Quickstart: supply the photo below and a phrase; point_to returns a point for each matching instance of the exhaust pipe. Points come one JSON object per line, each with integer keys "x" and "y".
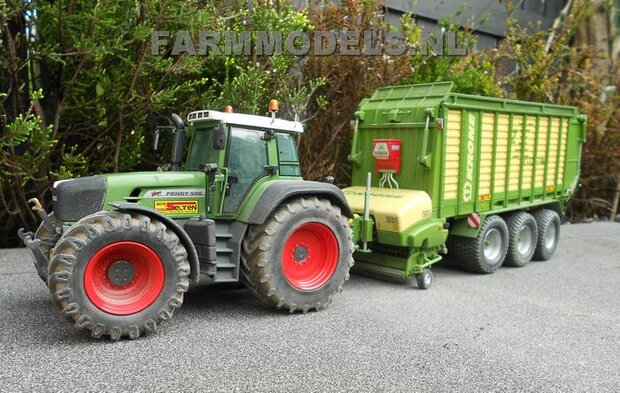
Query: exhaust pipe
{"x": 178, "y": 144}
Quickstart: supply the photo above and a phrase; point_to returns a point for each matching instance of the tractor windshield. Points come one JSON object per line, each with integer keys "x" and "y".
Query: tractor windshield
{"x": 201, "y": 150}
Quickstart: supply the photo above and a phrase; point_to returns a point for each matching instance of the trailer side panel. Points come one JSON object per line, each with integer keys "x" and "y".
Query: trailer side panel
{"x": 498, "y": 160}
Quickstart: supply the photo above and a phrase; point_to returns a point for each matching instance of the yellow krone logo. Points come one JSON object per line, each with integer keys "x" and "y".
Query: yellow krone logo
{"x": 469, "y": 174}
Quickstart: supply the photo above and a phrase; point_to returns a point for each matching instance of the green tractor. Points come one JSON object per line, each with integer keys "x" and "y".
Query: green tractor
{"x": 119, "y": 251}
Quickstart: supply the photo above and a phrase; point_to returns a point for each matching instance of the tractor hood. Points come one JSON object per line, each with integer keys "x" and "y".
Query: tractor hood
{"x": 77, "y": 198}
{"x": 124, "y": 186}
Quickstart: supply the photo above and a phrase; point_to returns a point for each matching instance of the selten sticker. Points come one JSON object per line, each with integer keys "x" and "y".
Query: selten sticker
{"x": 176, "y": 207}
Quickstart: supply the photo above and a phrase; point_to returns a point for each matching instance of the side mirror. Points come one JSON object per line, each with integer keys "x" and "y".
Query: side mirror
{"x": 209, "y": 170}
{"x": 219, "y": 137}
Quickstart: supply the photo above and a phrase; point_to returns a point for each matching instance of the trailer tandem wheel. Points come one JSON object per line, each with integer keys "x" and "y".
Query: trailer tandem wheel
{"x": 522, "y": 233}
{"x": 548, "y": 222}
{"x": 486, "y": 252}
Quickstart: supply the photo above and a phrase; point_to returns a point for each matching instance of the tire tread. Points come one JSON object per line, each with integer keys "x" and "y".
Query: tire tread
{"x": 64, "y": 260}
{"x": 468, "y": 251}
{"x": 515, "y": 222}
{"x": 544, "y": 217}
{"x": 258, "y": 242}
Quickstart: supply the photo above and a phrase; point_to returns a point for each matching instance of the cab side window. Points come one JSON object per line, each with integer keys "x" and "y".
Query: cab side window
{"x": 247, "y": 158}
{"x": 287, "y": 155}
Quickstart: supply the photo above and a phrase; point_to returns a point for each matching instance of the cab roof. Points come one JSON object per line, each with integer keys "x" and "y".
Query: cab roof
{"x": 242, "y": 119}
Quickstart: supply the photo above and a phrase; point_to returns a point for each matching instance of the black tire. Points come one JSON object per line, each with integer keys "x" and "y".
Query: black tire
{"x": 424, "y": 279}
{"x": 263, "y": 248}
{"x": 523, "y": 235}
{"x": 470, "y": 252}
{"x": 549, "y": 223}
{"x": 81, "y": 245}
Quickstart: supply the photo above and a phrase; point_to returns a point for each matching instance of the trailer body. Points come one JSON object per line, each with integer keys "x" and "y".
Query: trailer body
{"x": 461, "y": 157}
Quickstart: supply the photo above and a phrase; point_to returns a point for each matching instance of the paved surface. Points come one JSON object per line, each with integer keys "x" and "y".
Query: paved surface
{"x": 551, "y": 326}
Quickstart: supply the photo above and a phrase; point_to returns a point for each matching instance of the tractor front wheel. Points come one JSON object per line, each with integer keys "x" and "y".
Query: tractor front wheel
{"x": 118, "y": 274}
{"x": 300, "y": 257}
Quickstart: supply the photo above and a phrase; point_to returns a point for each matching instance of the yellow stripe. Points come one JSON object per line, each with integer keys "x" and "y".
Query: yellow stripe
{"x": 452, "y": 154}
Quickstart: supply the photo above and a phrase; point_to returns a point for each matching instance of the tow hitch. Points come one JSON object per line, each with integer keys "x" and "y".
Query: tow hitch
{"x": 41, "y": 242}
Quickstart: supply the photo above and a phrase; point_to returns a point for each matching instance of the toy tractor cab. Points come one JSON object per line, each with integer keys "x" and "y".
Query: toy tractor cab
{"x": 119, "y": 251}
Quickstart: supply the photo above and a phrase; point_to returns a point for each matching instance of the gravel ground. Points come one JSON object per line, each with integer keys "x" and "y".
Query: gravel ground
{"x": 551, "y": 326}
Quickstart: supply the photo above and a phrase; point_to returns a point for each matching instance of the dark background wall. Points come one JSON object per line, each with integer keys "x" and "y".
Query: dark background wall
{"x": 428, "y": 12}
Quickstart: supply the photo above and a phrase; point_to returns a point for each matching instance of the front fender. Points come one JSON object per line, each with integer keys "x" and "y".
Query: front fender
{"x": 192, "y": 255}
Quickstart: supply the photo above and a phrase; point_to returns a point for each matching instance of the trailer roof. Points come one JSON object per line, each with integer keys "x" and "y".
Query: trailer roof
{"x": 407, "y": 104}
{"x": 242, "y": 119}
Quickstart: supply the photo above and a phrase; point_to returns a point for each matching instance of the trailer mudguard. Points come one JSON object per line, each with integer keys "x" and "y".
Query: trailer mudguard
{"x": 192, "y": 255}
{"x": 279, "y": 191}
{"x": 460, "y": 227}
{"x": 428, "y": 235}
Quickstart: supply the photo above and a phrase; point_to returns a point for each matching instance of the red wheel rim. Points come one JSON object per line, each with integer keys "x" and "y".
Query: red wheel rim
{"x": 310, "y": 256}
{"x": 124, "y": 278}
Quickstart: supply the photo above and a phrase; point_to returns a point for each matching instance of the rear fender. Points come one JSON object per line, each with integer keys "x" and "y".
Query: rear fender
{"x": 279, "y": 191}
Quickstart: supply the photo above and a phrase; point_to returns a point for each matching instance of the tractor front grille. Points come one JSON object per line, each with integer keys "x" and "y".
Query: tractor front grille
{"x": 77, "y": 198}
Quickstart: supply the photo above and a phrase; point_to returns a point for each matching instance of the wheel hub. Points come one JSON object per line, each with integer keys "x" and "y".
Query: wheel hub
{"x": 124, "y": 278}
{"x": 310, "y": 256}
{"x": 121, "y": 273}
{"x": 300, "y": 254}
{"x": 492, "y": 245}
{"x": 550, "y": 237}
{"x": 525, "y": 241}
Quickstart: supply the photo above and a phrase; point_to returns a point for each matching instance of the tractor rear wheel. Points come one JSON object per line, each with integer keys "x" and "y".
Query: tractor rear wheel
{"x": 300, "y": 257}
{"x": 118, "y": 274}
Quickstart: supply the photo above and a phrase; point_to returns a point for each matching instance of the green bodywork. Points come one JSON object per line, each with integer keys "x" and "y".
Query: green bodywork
{"x": 227, "y": 192}
{"x": 238, "y": 169}
{"x": 418, "y": 116}
{"x": 234, "y": 188}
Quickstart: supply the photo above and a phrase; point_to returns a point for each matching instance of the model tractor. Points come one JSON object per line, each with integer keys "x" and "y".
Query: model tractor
{"x": 119, "y": 251}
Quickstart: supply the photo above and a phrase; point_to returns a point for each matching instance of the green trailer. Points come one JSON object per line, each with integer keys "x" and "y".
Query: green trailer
{"x": 487, "y": 177}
